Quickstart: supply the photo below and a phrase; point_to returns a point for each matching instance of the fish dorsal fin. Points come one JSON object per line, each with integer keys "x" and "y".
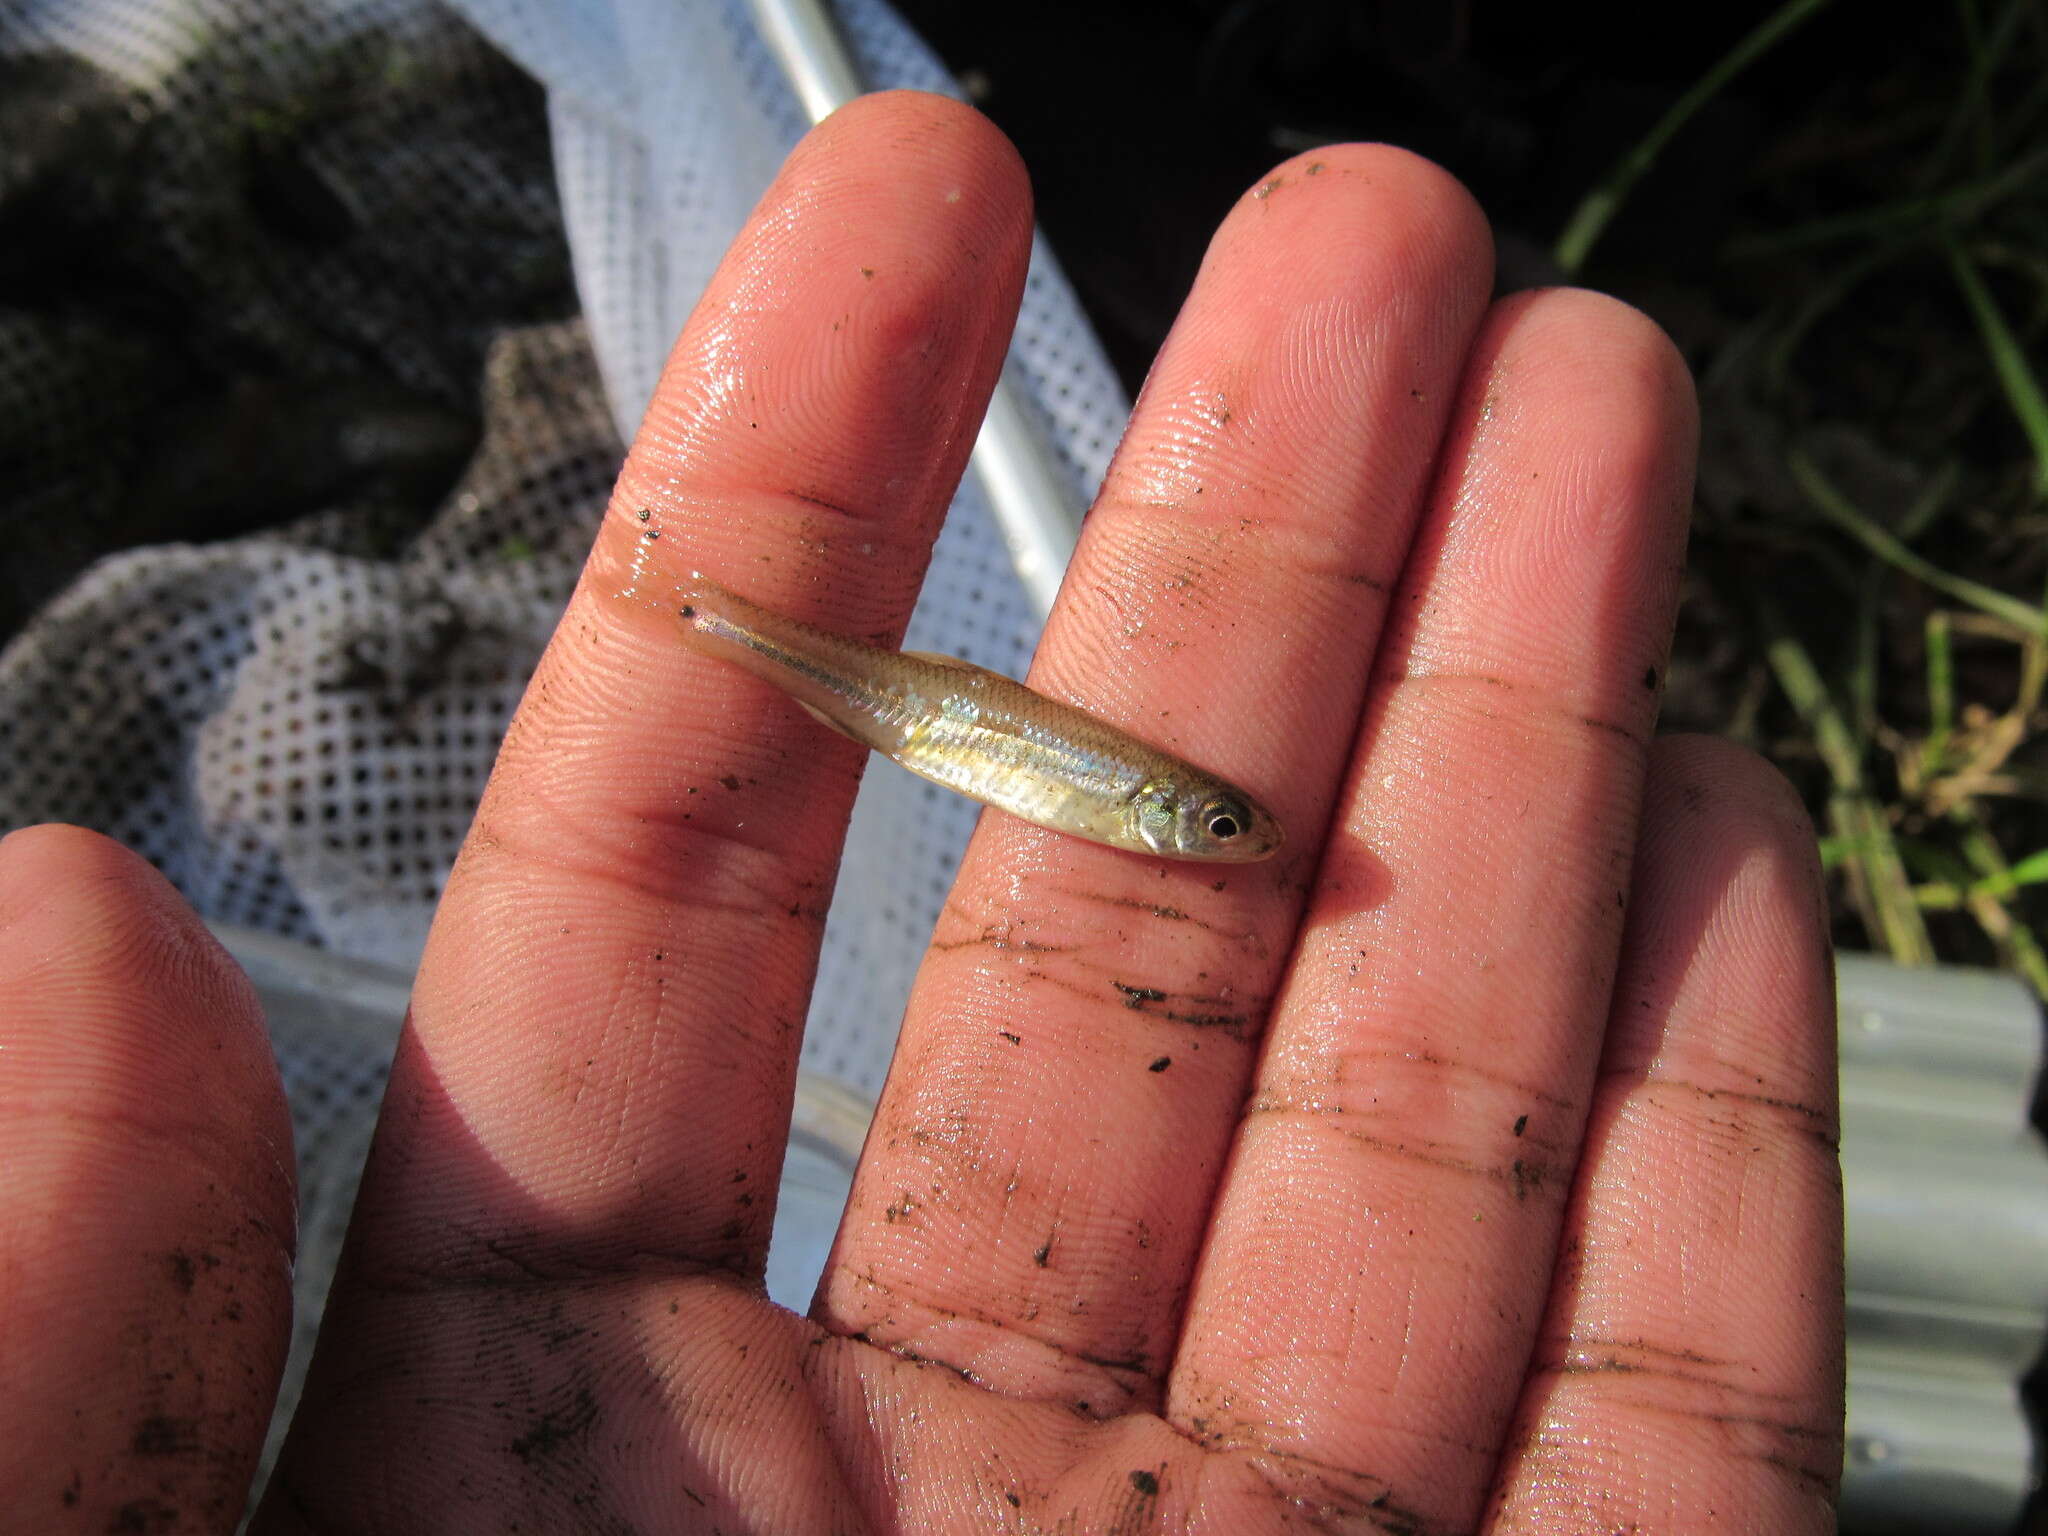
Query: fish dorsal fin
{"x": 828, "y": 722}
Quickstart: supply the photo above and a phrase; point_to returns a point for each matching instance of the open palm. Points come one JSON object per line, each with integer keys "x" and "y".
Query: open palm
{"x": 1468, "y": 1166}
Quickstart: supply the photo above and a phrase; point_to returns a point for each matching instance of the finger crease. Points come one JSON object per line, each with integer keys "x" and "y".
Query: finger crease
{"x": 1636, "y": 736}
{"x": 1816, "y": 1124}
{"x": 1524, "y": 1176}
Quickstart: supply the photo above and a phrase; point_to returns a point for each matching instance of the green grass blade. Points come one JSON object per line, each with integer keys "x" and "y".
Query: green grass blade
{"x": 1973, "y": 114}
{"x": 1876, "y": 872}
{"x": 1890, "y": 912}
{"x": 2032, "y": 870}
{"x": 1941, "y": 693}
{"x": 1904, "y": 217}
{"x": 2015, "y": 941}
{"x": 1583, "y": 230}
{"x": 2028, "y": 958}
{"x": 1930, "y": 503}
{"x": 1863, "y": 659}
{"x": 1836, "y": 507}
{"x": 1933, "y": 863}
{"x": 1802, "y": 683}
{"x": 2015, "y": 374}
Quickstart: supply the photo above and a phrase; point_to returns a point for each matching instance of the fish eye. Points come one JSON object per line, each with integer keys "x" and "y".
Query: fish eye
{"x": 1223, "y": 819}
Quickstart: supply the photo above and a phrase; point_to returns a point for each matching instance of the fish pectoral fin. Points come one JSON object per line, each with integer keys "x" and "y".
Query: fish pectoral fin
{"x": 828, "y": 722}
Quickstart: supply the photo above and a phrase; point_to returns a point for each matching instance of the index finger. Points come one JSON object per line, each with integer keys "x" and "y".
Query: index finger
{"x": 603, "y": 1040}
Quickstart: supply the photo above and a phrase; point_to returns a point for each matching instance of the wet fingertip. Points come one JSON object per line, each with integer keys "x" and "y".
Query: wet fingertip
{"x": 1705, "y": 788}
{"x": 1617, "y": 355}
{"x": 992, "y": 171}
{"x": 1728, "y": 903}
{"x": 85, "y": 918}
{"x": 86, "y": 880}
{"x": 1382, "y": 186}
{"x": 45, "y": 837}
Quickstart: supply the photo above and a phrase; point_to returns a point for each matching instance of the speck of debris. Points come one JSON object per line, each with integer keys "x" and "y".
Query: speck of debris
{"x": 1145, "y": 1483}
{"x": 1649, "y": 677}
{"x": 554, "y": 1429}
{"x": 160, "y": 1435}
{"x": 1525, "y": 1178}
{"x": 1315, "y": 168}
{"x": 1044, "y": 1253}
{"x": 1161, "y": 1064}
{"x": 1521, "y": 1124}
{"x": 867, "y": 271}
{"x": 651, "y": 533}
{"x": 643, "y": 514}
{"x": 1138, "y": 997}
{"x": 730, "y": 780}
{"x": 1013, "y": 1039}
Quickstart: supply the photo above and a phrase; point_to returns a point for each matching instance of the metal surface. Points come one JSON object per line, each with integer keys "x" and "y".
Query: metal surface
{"x": 806, "y": 43}
{"x": 1026, "y": 489}
{"x": 1024, "y": 485}
{"x": 1946, "y": 1189}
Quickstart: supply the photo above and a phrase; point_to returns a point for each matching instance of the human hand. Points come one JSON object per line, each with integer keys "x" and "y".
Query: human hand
{"x": 1469, "y": 1165}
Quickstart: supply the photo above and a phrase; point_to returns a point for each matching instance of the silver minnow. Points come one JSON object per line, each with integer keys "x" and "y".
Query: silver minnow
{"x": 986, "y": 736}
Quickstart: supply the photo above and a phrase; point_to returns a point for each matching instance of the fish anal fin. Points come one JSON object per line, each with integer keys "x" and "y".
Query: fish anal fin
{"x": 827, "y": 721}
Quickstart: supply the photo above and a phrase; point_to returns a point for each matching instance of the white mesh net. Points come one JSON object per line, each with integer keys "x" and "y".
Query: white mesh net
{"x": 295, "y": 724}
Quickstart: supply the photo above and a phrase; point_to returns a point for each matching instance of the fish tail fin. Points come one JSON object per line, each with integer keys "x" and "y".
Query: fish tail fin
{"x": 821, "y": 671}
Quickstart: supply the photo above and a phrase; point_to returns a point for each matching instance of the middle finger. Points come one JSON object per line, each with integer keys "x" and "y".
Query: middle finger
{"x": 1043, "y": 1161}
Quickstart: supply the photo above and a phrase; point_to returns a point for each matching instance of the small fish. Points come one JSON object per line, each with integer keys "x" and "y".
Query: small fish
{"x": 986, "y": 735}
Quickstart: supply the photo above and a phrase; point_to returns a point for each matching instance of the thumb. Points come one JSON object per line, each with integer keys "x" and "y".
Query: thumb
{"x": 146, "y": 1200}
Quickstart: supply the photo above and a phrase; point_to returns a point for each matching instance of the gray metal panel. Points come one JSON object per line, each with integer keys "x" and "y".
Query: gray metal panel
{"x": 1946, "y": 1189}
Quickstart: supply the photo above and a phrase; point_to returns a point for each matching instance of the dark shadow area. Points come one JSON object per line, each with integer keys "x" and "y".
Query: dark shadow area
{"x": 232, "y": 317}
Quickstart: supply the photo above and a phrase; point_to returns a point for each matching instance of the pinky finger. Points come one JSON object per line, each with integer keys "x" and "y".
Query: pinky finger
{"x": 1689, "y": 1372}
